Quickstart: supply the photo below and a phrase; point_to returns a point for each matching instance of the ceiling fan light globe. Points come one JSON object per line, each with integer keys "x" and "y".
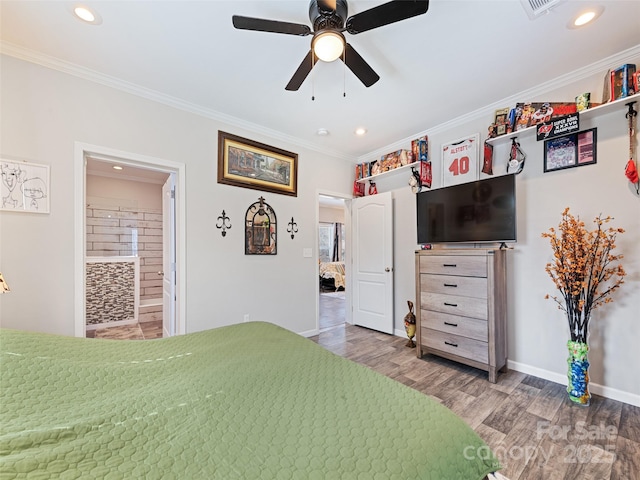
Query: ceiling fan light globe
{"x": 328, "y": 46}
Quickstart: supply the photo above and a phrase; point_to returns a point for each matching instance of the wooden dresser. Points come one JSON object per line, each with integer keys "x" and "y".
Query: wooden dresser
{"x": 461, "y": 306}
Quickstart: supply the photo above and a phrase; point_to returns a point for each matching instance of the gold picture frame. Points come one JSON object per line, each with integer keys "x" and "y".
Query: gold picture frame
{"x": 249, "y": 164}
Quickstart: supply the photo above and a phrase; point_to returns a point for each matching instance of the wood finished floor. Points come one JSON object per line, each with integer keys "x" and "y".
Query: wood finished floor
{"x": 138, "y": 331}
{"x": 535, "y": 431}
{"x": 331, "y": 310}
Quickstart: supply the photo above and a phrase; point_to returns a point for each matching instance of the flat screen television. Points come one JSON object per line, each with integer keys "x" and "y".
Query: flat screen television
{"x": 480, "y": 211}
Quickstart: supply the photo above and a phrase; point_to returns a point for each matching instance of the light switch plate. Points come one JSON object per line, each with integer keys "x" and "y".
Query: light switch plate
{"x": 307, "y": 252}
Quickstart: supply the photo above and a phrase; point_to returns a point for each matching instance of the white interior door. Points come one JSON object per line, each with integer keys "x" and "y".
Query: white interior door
{"x": 372, "y": 220}
{"x": 168, "y": 258}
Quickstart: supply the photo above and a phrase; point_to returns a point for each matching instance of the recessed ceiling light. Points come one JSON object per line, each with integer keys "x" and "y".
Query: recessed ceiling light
{"x": 87, "y": 15}
{"x": 323, "y": 132}
{"x": 585, "y": 17}
{"x": 360, "y": 131}
{"x": 117, "y": 167}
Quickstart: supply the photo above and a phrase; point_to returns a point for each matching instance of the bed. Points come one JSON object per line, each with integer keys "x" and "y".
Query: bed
{"x": 248, "y": 401}
{"x": 332, "y": 275}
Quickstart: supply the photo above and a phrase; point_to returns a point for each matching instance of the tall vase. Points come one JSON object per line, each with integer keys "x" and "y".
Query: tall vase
{"x": 578, "y": 374}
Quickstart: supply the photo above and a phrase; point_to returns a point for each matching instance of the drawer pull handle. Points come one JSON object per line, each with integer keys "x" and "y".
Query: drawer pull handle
{"x": 451, "y": 344}
{"x": 451, "y": 304}
{"x": 449, "y": 265}
{"x": 451, "y": 324}
{"x": 451, "y": 285}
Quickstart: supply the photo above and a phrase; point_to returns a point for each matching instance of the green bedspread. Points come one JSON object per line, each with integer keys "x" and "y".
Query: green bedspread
{"x": 249, "y": 401}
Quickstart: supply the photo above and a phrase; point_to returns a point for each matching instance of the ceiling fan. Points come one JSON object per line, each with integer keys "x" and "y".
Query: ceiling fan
{"x": 329, "y": 19}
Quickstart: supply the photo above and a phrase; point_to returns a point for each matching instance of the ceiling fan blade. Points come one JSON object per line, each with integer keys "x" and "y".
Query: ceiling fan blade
{"x": 359, "y": 67}
{"x": 326, "y": 7}
{"x": 273, "y": 26}
{"x": 302, "y": 72}
{"x": 385, "y": 14}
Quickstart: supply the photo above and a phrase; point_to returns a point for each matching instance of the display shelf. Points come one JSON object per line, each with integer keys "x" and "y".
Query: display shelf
{"x": 388, "y": 173}
{"x": 588, "y": 113}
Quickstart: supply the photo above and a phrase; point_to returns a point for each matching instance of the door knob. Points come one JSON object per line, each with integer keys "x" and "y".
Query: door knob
{"x": 387, "y": 269}
{"x": 161, "y": 273}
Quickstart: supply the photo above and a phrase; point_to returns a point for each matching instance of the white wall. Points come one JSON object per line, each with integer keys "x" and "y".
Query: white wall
{"x": 45, "y": 111}
{"x": 331, "y": 215}
{"x": 538, "y": 331}
{"x": 108, "y": 191}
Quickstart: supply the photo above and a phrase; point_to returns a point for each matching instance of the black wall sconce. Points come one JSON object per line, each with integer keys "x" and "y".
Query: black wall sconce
{"x": 292, "y": 228}
{"x": 223, "y": 223}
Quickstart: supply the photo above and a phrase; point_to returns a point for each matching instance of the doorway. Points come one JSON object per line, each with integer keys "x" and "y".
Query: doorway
{"x": 139, "y": 240}
{"x": 332, "y": 262}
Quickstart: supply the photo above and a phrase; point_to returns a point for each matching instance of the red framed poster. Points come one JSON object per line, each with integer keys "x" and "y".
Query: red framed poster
{"x": 460, "y": 160}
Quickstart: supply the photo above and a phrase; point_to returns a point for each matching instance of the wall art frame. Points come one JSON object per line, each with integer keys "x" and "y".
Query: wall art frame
{"x": 250, "y": 164}
{"x": 460, "y": 160}
{"x": 260, "y": 229}
{"x": 24, "y": 187}
{"x": 568, "y": 151}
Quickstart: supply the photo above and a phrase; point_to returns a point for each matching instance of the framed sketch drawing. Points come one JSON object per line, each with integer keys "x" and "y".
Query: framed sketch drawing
{"x": 245, "y": 163}
{"x": 460, "y": 160}
{"x": 24, "y": 187}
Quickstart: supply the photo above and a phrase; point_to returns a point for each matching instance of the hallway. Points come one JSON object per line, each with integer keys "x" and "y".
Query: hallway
{"x": 332, "y": 310}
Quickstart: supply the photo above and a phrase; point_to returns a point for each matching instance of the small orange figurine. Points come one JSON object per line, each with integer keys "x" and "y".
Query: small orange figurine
{"x": 410, "y": 325}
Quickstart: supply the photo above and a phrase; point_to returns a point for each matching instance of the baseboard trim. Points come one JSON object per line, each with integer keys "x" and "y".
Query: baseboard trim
{"x": 595, "y": 388}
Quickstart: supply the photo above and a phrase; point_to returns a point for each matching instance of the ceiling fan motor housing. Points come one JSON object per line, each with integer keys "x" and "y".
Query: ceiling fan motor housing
{"x": 332, "y": 19}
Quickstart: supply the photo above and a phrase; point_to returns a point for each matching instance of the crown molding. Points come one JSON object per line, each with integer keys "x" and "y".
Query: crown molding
{"x": 69, "y": 68}
{"x": 53, "y": 63}
{"x": 489, "y": 110}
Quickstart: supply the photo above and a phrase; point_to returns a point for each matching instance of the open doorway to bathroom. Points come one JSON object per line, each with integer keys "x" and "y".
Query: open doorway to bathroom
{"x": 125, "y": 247}
{"x": 332, "y": 279}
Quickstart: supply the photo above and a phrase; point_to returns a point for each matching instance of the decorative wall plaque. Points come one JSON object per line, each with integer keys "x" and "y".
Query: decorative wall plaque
{"x": 292, "y": 228}
{"x": 260, "y": 237}
{"x": 224, "y": 223}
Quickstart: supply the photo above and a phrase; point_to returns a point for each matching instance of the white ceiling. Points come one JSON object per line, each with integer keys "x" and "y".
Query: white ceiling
{"x": 459, "y": 57}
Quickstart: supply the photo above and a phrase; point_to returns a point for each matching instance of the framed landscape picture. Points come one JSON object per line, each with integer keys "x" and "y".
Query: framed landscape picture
{"x": 570, "y": 151}
{"x": 249, "y": 164}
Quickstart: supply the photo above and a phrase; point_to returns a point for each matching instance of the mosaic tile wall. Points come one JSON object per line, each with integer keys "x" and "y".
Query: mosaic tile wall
{"x": 111, "y": 292}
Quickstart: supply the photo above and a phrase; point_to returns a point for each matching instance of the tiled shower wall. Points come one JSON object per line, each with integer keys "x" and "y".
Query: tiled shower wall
{"x": 125, "y": 231}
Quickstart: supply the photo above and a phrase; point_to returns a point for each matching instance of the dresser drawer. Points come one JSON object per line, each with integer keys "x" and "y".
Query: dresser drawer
{"x": 454, "y": 304}
{"x": 462, "y": 326}
{"x": 467, "y": 265}
{"x": 451, "y": 285}
{"x": 455, "y": 344}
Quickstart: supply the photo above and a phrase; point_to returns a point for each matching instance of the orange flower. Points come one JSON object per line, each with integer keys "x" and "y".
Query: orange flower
{"x": 583, "y": 269}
